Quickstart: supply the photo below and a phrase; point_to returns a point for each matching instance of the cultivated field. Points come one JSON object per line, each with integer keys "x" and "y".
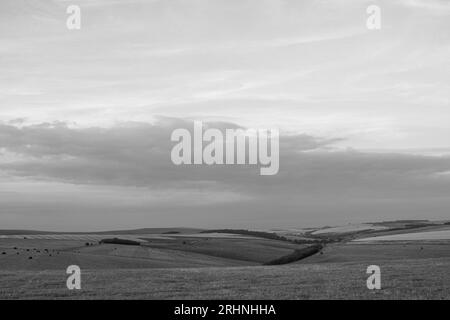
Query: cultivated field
{"x": 350, "y": 228}
{"x": 413, "y": 236}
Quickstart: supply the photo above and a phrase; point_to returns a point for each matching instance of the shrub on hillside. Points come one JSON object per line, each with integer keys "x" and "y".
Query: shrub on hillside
{"x": 121, "y": 241}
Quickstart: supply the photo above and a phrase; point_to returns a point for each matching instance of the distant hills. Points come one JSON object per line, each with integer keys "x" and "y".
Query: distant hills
{"x": 133, "y": 231}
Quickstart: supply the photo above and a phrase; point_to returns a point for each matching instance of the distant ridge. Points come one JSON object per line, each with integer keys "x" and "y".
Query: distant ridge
{"x": 19, "y": 232}
{"x": 132, "y": 231}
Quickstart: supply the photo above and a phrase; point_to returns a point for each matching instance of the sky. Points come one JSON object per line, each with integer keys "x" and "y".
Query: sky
{"x": 86, "y": 115}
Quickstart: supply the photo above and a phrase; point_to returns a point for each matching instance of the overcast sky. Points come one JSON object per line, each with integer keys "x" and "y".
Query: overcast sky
{"x": 86, "y": 115}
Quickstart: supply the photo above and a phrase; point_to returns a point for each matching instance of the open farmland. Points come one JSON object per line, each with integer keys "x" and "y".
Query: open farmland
{"x": 215, "y": 265}
{"x": 413, "y": 236}
{"x": 249, "y": 249}
{"x": 379, "y": 253}
{"x": 49, "y": 252}
{"x": 349, "y": 228}
{"x": 412, "y": 279}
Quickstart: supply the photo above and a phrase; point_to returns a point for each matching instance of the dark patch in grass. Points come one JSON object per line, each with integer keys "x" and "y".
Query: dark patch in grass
{"x": 297, "y": 255}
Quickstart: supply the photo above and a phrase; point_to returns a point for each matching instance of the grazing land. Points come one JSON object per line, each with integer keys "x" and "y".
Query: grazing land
{"x": 411, "y": 279}
{"x": 182, "y": 263}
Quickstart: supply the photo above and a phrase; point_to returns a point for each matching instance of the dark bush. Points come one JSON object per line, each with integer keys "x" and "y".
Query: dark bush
{"x": 121, "y": 241}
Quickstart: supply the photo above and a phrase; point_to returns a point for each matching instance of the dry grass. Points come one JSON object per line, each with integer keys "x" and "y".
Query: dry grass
{"x": 413, "y": 279}
{"x": 212, "y": 269}
{"x": 252, "y": 250}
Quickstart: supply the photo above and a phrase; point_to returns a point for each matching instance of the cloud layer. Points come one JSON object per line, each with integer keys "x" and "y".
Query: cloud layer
{"x": 128, "y": 167}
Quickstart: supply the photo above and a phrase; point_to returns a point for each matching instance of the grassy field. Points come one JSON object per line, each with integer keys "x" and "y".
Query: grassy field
{"x": 186, "y": 264}
{"x": 378, "y": 253}
{"x": 249, "y": 249}
{"x": 157, "y": 252}
{"x": 412, "y": 279}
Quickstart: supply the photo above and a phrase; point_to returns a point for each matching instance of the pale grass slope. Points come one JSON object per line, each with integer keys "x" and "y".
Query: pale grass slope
{"x": 413, "y": 279}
